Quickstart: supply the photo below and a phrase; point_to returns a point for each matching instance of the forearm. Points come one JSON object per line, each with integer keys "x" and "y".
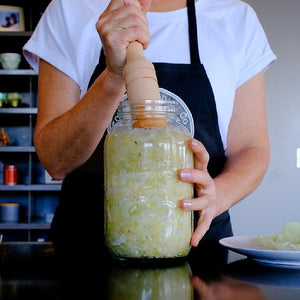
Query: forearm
{"x": 68, "y": 132}
{"x": 242, "y": 173}
{"x": 67, "y": 141}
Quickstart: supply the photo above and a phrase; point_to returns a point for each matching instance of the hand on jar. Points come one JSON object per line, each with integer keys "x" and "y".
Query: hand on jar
{"x": 206, "y": 202}
{"x": 121, "y": 23}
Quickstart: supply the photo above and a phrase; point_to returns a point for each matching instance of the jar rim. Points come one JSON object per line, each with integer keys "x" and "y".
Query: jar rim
{"x": 169, "y": 103}
{"x": 149, "y": 106}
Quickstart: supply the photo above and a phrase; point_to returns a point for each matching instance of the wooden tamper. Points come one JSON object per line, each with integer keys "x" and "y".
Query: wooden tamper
{"x": 141, "y": 84}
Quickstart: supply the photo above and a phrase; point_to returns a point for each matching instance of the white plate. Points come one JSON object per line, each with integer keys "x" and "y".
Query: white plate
{"x": 253, "y": 249}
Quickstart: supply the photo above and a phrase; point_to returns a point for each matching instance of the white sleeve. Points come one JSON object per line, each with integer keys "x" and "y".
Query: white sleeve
{"x": 255, "y": 49}
{"x": 66, "y": 37}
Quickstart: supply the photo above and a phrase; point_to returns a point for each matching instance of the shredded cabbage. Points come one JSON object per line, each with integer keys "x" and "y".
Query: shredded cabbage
{"x": 286, "y": 239}
{"x": 142, "y": 191}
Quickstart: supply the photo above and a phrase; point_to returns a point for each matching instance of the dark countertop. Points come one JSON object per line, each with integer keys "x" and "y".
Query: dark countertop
{"x": 31, "y": 271}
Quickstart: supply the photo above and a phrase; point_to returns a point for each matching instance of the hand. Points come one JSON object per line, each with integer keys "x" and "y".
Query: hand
{"x": 122, "y": 22}
{"x": 225, "y": 289}
{"x": 206, "y": 201}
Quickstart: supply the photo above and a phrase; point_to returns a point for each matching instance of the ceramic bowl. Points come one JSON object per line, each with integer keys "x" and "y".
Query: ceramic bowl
{"x": 10, "y": 61}
{"x": 9, "y": 212}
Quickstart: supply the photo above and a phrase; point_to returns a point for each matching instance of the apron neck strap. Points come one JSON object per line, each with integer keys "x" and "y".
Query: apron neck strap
{"x": 194, "y": 50}
{"x": 99, "y": 68}
{"x": 193, "y": 39}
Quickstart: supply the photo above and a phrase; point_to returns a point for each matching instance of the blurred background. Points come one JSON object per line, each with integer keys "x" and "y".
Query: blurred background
{"x": 277, "y": 199}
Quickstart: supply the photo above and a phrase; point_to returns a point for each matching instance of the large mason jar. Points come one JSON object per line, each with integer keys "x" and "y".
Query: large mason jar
{"x": 143, "y": 152}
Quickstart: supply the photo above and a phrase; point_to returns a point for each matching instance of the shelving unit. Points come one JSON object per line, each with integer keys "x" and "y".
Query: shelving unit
{"x": 17, "y": 72}
{"x": 36, "y": 197}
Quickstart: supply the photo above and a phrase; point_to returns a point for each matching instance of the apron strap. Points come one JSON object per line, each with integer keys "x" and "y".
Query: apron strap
{"x": 194, "y": 50}
{"x": 99, "y": 68}
{"x": 193, "y": 39}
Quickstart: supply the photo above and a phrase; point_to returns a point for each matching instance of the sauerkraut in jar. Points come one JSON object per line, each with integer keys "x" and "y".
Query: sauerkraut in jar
{"x": 142, "y": 190}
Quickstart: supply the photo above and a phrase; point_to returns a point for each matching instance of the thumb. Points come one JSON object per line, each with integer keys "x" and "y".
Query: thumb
{"x": 145, "y": 4}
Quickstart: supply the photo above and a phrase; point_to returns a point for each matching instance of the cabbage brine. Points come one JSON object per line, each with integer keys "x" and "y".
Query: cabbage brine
{"x": 142, "y": 191}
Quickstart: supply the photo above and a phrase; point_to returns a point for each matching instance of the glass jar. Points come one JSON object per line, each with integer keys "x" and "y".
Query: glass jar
{"x": 10, "y": 174}
{"x": 143, "y": 152}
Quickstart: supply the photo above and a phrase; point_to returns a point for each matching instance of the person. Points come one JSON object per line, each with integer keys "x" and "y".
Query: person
{"x": 7, "y": 24}
{"x": 211, "y": 53}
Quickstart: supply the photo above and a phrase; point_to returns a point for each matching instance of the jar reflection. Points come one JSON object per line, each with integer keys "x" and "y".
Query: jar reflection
{"x": 151, "y": 284}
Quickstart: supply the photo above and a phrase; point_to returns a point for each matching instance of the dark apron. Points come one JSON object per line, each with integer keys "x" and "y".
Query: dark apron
{"x": 79, "y": 215}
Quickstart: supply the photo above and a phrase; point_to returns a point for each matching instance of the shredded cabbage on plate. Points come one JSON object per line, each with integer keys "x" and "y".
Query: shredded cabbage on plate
{"x": 286, "y": 239}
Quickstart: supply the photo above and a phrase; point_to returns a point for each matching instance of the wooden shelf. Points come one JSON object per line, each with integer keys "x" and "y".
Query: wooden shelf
{"x": 18, "y": 110}
{"x": 31, "y": 187}
{"x": 25, "y": 226}
{"x": 19, "y": 72}
{"x": 16, "y": 33}
{"x": 17, "y": 149}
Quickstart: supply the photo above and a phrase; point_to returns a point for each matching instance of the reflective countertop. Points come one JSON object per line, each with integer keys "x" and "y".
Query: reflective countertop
{"x": 32, "y": 271}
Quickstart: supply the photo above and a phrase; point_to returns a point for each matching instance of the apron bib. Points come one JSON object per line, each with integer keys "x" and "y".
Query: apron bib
{"x": 80, "y": 211}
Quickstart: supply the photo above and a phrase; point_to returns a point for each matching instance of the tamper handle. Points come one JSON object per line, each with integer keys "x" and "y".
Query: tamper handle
{"x": 139, "y": 74}
{"x": 141, "y": 84}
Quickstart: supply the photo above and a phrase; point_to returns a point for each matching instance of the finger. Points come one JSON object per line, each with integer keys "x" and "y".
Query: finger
{"x": 135, "y": 34}
{"x": 115, "y": 4}
{"x": 201, "y": 154}
{"x": 202, "y": 227}
{"x": 128, "y": 21}
{"x": 197, "y": 204}
{"x": 145, "y": 4}
{"x": 123, "y": 14}
{"x": 201, "y": 287}
{"x": 202, "y": 178}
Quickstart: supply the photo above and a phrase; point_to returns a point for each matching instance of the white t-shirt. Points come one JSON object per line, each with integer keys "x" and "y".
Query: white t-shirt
{"x": 232, "y": 44}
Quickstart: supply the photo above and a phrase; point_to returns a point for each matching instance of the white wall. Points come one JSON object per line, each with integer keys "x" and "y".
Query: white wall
{"x": 277, "y": 199}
